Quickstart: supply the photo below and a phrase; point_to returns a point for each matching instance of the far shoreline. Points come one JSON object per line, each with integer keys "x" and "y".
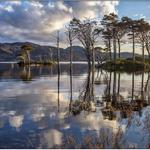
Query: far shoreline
{"x": 61, "y": 62}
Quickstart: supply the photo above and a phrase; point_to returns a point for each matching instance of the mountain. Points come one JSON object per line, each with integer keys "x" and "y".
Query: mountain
{"x": 128, "y": 55}
{"x": 9, "y": 52}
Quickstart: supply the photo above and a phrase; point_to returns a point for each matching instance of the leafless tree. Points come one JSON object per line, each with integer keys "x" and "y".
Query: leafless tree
{"x": 86, "y": 33}
{"x": 70, "y": 38}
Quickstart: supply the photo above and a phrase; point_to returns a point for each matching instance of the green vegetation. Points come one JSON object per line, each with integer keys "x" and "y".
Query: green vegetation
{"x": 113, "y": 32}
{"x": 126, "y": 65}
{"x": 25, "y": 59}
{"x": 24, "y": 56}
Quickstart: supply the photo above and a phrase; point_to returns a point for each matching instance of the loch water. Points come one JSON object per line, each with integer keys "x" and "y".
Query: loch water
{"x": 40, "y": 108}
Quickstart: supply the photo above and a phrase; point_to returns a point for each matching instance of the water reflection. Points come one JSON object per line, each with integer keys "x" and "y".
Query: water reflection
{"x": 42, "y": 108}
{"x": 16, "y": 121}
{"x": 134, "y": 100}
{"x": 50, "y": 138}
{"x": 25, "y": 74}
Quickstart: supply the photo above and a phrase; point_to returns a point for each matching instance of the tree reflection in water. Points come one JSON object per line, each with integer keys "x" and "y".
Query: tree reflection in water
{"x": 111, "y": 111}
{"x": 112, "y": 97}
{"x": 114, "y": 104}
{"x": 85, "y": 100}
{"x": 25, "y": 74}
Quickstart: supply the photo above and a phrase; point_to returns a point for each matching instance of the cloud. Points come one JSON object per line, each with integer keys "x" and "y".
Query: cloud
{"x": 51, "y": 138}
{"x": 35, "y": 20}
{"x": 139, "y": 16}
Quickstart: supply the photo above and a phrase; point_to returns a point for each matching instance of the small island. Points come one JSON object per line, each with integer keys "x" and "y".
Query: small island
{"x": 126, "y": 65}
{"x": 23, "y": 59}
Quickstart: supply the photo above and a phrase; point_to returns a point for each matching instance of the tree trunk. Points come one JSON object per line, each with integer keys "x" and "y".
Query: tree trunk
{"x": 93, "y": 72}
{"x": 28, "y": 56}
{"x": 114, "y": 44}
{"x": 143, "y": 56}
{"x": 58, "y": 53}
{"x": 147, "y": 82}
{"x": 147, "y": 48}
{"x": 71, "y": 55}
{"x": 132, "y": 86}
{"x": 87, "y": 93}
{"x": 88, "y": 55}
{"x": 58, "y": 56}
{"x": 133, "y": 38}
{"x": 114, "y": 89}
{"x": 109, "y": 89}
{"x": 109, "y": 47}
{"x": 58, "y": 94}
{"x": 118, "y": 92}
{"x": 70, "y": 105}
{"x": 93, "y": 59}
{"x": 142, "y": 87}
{"x": 119, "y": 47}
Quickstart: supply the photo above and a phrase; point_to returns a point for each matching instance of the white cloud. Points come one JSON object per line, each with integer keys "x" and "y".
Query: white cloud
{"x": 35, "y": 20}
{"x": 51, "y": 138}
{"x": 139, "y": 16}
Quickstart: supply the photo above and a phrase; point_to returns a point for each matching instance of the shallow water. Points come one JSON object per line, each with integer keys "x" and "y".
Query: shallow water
{"x": 36, "y": 109}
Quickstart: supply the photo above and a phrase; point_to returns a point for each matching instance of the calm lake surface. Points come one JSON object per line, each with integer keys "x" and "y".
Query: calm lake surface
{"x": 37, "y": 109}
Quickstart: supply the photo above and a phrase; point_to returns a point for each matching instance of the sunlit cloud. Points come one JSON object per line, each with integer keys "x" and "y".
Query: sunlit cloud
{"x": 51, "y": 138}
{"x": 35, "y": 21}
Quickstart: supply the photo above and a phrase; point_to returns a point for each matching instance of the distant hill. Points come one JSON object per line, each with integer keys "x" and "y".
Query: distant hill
{"x": 9, "y": 52}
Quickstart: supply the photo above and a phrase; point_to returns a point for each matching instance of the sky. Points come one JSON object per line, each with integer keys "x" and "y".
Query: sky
{"x": 37, "y": 21}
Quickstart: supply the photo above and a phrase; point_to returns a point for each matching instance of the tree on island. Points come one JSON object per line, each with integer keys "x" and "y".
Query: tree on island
{"x": 120, "y": 32}
{"x": 26, "y": 49}
{"x": 143, "y": 28}
{"x": 22, "y": 57}
{"x": 131, "y": 30}
{"x": 109, "y": 32}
